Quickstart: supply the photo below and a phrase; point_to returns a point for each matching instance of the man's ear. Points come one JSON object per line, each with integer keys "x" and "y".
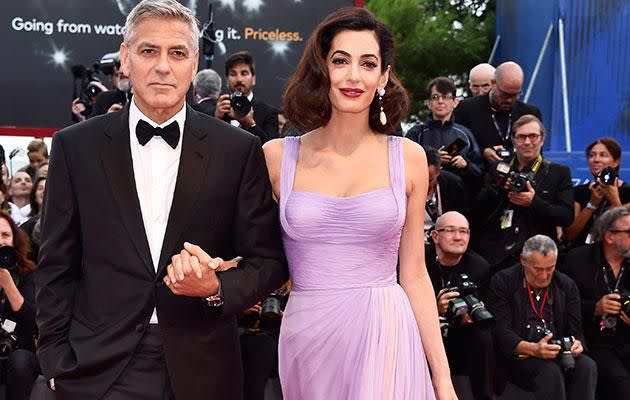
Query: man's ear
{"x": 124, "y": 58}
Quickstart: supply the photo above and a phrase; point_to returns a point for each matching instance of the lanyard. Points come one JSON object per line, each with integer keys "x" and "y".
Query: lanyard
{"x": 535, "y": 166}
{"x": 498, "y": 128}
{"x": 605, "y": 273}
{"x": 539, "y": 313}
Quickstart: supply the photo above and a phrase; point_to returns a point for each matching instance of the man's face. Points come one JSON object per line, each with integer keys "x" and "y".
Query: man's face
{"x": 619, "y": 236}
{"x": 528, "y": 142}
{"x": 539, "y": 268}
{"x": 241, "y": 79}
{"x": 479, "y": 84}
{"x": 504, "y": 93}
{"x": 161, "y": 62}
{"x": 452, "y": 235}
{"x": 441, "y": 105}
{"x": 21, "y": 184}
{"x": 434, "y": 174}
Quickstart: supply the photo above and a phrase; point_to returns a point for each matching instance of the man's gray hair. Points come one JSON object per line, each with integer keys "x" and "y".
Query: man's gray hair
{"x": 170, "y": 9}
{"x": 606, "y": 221}
{"x": 539, "y": 244}
{"x": 207, "y": 83}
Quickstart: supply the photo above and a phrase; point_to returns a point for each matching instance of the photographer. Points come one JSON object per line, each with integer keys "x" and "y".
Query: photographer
{"x": 602, "y": 273}
{"x": 538, "y": 330}
{"x": 526, "y": 195}
{"x": 604, "y": 191}
{"x": 17, "y": 305}
{"x": 468, "y": 341}
{"x": 240, "y": 107}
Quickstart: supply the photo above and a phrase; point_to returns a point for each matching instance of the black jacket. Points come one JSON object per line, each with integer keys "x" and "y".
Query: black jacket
{"x": 552, "y": 206}
{"x": 584, "y": 264}
{"x": 206, "y": 106}
{"x": 475, "y": 113}
{"x": 266, "y": 118}
{"x": 508, "y": 302}
{"x": 26, "y": 329}
{"x": 472, "y": 264}
{"x": 96, "y": 283}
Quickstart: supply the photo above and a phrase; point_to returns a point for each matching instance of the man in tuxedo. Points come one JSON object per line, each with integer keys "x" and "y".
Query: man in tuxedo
{"x": 262, "y": 119}
{"x": 124, "y": 198}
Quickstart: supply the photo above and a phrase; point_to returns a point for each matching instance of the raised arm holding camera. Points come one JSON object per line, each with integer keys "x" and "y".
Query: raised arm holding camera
{"x": 240, "y": 107}
{"x": 538, "y": 332}
{"x": 460, "y": 277}
{"x": 17, "y": 311}
{"x": 602, "y": 274}
{"x": 526, "y": 195}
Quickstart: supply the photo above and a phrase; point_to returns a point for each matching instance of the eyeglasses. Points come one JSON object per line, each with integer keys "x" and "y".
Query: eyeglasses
{"x": 533, "y": 137}
{"x": 451, "y": 230}
{"x": 437, "y": 97}
{"x": 505, "y": 95}
{"x": 626, "y": 231}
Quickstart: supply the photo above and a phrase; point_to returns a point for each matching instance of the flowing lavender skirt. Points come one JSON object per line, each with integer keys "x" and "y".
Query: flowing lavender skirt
{"x": 347, "y": 344}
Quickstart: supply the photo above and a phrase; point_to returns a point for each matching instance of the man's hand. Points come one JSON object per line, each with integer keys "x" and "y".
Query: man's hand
{"x": 445, "y": 158}
{"x": 577, "y": 348}
{"x": 610, "y": 192}
{"x": 523, "y": 199}
{"x": 78, "y": 108}
{"x": 459, "y": 162}
{"x": 246, "y": 121}
{"x": 624, "y": 318}
{"x": 114, "y": 107}
{"x": 442, "y": 300}
{"x": 224, "y": 106}
{"x": 608, "y": 305}
{"x": 255, "y": 309}
{"x": 490, "y": 153}
{"x": 545, "y": 350}
{"x": 192, "y": 272}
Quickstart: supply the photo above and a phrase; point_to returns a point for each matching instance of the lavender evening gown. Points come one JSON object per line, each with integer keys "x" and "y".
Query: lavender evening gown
{"x": 348, "y": 332}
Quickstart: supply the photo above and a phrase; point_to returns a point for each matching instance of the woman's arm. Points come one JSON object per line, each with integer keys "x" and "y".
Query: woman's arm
{"x": 582, "y": 216}
{"x": 273, "y": 157}
{"x": 414, "y": 277}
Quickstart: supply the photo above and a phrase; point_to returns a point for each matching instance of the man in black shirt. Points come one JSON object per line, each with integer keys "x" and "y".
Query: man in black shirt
{"x": 468, "y": 344}
{"x": 601, "y": 272}
{"x": 490, "y": 116}
{"x": 533, "y": 304}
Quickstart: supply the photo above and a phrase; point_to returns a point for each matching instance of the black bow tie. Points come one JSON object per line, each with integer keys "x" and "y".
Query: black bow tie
{"x": 170, "y": 133}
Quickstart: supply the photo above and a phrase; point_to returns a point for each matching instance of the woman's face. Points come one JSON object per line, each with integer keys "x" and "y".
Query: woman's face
{"x": 354, "y": 68}
{"x": 5, "y": 175}
{"x": 6, "y": 234}
{"x": 599, "y": 158}
{"x": 39, "y": 193}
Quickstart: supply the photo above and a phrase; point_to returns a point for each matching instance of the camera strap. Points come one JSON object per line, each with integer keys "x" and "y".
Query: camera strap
{"x": 619, "y": 277}
{"x": 506, "y": 137}
{"x": 535, "y": 166}
{"x": 539, "y": 313}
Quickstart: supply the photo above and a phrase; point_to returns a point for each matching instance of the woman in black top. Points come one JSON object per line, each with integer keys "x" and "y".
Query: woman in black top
{"x": 17, "y": 305}
{"x": 595, "y": 197}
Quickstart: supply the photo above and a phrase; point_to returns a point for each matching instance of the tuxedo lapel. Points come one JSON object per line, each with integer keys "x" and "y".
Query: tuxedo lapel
{"x": 118, "y": 167}
{"x": 193, "y": 165}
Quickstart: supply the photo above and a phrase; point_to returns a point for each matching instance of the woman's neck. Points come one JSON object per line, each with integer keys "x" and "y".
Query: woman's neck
{"x": 345, "y": 131}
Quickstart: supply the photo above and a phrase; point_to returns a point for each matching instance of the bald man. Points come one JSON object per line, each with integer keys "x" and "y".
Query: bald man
{"x": 480, "y": 79}
{"x": 468, "y": 343}
{"x": 490, "y": 116}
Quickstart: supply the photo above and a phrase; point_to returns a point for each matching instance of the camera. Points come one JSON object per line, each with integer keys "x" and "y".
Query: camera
{"x": 8, "y": 257}
{"x": 270, "y": 315}
{"x": 240, "y": 103}
{"x": 607, "y": 176}
{"x": 515, "y": 181}
{"x": 8, "y": 339}
{"x": 467, "y": 303}
{"x": 625, "y": 301}
{"x": 536, "y": 332}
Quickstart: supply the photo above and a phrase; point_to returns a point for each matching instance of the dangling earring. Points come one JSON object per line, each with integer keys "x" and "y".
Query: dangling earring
{"x": 382, "y": 116}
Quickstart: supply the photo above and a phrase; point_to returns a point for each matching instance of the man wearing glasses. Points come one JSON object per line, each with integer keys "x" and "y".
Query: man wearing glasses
{"x": 459, "y": 152}
{"x": 525, "y": 196}
{"x": 468, "y": 344}
{"x": 491, "y": 115}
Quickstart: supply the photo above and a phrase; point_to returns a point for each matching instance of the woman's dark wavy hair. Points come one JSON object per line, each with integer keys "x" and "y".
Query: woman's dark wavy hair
{"x": 34, "y": 206}
{"x": 306, "y": 101}
{"x": 613, "y": 147}
{"x": 22, "y": 244}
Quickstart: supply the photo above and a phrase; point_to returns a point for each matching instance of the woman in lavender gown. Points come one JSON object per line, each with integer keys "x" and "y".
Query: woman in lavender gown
{"x": 351, "y": 201}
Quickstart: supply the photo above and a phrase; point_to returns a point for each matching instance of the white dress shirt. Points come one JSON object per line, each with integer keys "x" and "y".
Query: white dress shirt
{"x": 155, "y": 167}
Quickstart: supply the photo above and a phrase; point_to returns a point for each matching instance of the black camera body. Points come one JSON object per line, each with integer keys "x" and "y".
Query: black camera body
{"x": 505, "y": 153}
{"x": 536, "y": 332}
{"x": 625, "y": 301}
{"x": 607, "y": 176}
{"x": 8, "y": 343}
{"x": 8, "y": 257}
{"x": 467, "y": 302}
{"x": 514, "y": 181}
{"x": 240, "y": 103}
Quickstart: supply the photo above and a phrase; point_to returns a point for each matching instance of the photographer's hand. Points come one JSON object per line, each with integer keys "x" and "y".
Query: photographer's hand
{"x": 545, "y": 350}
{"x": 611, "y": 193}
{"x": 596, "y": 193}
{"x": 78, "y": 108}
{"x": 114, "y": 107}
{"x": 577, "y": 348}
{"x": 608, "y": 305}
{"x": 490, "y": 153}
{"x": 459, "y": 162}
{"x": 246, "y": 121}
{"x": 445, "y": 158}
{"x": 442, "y": 300}
{"x": 223, "y": 106}
{"x": 523, "y": 199}
{"x": 15, "y": 298}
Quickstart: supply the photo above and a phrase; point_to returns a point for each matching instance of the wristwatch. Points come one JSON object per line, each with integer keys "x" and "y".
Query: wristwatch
{"x": 591, "y": 206}
{"x": 215, "y": 301}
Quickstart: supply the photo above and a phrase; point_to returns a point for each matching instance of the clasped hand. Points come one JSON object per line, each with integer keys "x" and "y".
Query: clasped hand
{"x": 192, "y": 272}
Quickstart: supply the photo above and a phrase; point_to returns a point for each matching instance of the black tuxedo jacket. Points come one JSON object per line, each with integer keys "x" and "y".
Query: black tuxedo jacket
{"x": 206, "y": 106}
{"x": 96, "y": 285}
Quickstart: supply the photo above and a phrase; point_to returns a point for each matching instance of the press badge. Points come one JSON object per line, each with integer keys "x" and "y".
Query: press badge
{"x": 506, "y": 219}
{"x": 8, "y": 325}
